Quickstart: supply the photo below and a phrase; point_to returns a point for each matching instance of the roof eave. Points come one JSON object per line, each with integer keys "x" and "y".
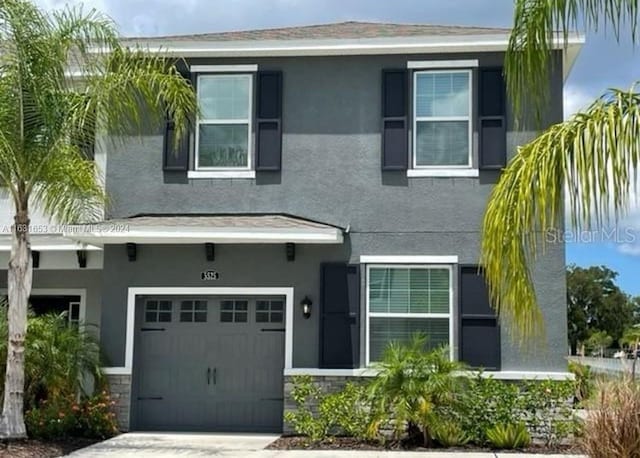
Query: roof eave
{"x": 369, "y": 46}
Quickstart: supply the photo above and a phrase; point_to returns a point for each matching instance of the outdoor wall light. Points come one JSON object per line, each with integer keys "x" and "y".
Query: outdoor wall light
{"x": 306, "y": 307}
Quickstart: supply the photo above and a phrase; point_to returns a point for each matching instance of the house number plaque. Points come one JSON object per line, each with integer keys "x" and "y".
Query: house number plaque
{"x": 209, "y": 275}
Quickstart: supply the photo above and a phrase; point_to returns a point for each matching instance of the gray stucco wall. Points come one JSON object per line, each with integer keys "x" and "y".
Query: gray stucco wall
{"x": 330, "y": 173}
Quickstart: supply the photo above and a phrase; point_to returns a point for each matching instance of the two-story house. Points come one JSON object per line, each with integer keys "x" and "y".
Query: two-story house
{"x": 328, "y": 201}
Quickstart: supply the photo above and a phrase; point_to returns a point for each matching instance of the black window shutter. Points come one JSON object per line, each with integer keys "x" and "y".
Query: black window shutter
{"x": 175, "y": 159}
{"x": 492, "y": 119}
{"x": 269, "y": 121}
{"x": 479, "y": 327}
{"x": 339, "y": 316}
{"x": 395, "y": 155}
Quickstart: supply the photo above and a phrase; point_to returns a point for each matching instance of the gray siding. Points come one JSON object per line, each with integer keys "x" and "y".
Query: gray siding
{"x": 330, "y": 173}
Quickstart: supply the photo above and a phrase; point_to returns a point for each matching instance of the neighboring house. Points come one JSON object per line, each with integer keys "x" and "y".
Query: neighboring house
{"x": 328, "y": 201}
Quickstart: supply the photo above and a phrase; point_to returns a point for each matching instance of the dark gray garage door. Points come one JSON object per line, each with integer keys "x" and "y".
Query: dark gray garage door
{"x": 208, "y": 364}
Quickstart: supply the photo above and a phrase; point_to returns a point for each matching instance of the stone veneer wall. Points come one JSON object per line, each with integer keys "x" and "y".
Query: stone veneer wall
{"x": 327, "y": 383}
{"x": 120, "y": 387}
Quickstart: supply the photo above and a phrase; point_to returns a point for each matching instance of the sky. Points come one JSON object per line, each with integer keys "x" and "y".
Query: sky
{"x": 603, "y": 63}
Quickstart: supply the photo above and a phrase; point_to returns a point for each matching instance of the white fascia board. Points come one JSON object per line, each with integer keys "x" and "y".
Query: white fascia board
{"x": 391, "y": 45}
{"x": 182, "y": 235}
{"x": 428, "y": 64}
{"x": 408, "y": 259}
{"x": 224, "y": 68}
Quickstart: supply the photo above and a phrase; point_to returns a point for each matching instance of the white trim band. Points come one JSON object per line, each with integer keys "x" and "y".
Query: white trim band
{"x": 425, "y": 64}
{"x": 224, "y": 68}
{"x": 443, "y": 173}
{"x": 408, "y": 259}
{"x": 372, "y": 372}
{"x": 209, "y": 174}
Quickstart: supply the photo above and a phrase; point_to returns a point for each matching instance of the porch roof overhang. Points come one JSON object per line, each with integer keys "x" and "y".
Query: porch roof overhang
{"x": 192, "y": 229}
{"x": 48, "y": 242}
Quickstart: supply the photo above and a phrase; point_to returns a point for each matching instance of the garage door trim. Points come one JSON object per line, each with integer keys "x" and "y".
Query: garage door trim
{"x": 134, "y": 292}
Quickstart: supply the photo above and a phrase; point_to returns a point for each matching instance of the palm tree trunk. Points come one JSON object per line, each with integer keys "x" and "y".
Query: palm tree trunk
{"x": 19, "y": 288}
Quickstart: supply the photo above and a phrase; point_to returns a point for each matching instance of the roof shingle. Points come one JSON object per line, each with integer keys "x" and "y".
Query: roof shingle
{"x": 339, "y": 30}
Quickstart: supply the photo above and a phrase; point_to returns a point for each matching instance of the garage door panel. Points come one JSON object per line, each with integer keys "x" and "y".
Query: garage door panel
{"x": 223, "y": 372}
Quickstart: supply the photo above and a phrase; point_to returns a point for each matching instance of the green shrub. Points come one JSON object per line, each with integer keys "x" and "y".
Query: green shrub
{"x": 584, "y": 381}
{"x": 414, "y": 388}
{"x": 302, "y": 420}
{"x": 509, "y": 436}
{"x": 543, "y": 406}
{"x": 57, "y": 358}
{"x": 487, "y": 402}
{"x": 448, "y": 433}
{"x": 345, "y": 412}
{"x": 65, "y": 417}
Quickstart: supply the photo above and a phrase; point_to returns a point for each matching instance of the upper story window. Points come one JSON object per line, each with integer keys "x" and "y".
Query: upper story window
{"x": 223, "y": 134}
{"x": 442, "y": 119}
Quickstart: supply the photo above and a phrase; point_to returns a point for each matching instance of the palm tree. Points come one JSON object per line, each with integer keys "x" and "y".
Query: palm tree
{"x": 592, "y": 155}
{"x": 62, "y": 75}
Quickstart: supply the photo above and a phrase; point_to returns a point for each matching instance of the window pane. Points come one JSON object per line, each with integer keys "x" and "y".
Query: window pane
{"x": 186, "y": 305}
{"x": 241, "y": 305}
{"x": 276, "y": 317}
{"x": 226, "y": 317}
{"x": 442, "y": 143}
{"x": 164, "y": 317}
{"x": 200, "y": 317}
{"x": 150, "y": 317}
{"x": 226, "y": 305}
{"x": 201, "y": 305}
{"x": 152, "y": 305}
{"x": 442, "y": 94}
{"x": 165, "y": 305}
{"x": 240, "y": 317}
{"x": 262, "y": 305}
{"x": 262, "y": 317}
{"x": 386, "y": 330}
{"x": 186, "y": 317}
{"x": 224, "y": 96}
{"x": 223, "y": 145}
{"x": 277, "y": 305}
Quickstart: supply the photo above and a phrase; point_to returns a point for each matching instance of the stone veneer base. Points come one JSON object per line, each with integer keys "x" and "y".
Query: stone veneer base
{"x": 120, "y": 387}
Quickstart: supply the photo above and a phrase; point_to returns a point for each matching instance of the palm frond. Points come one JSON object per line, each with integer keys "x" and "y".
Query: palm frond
{"x": 540, "y": 26}
{"x": 69, "y": 188}
{"x": 595, "y": 155}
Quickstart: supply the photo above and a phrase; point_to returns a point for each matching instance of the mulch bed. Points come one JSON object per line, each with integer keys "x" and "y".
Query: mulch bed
{"x": 29, "y": 448}
{"x": 349, "y": 443}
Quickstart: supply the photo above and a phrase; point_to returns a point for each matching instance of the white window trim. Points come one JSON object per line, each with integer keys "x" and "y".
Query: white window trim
{"x": 209, "y": 174}
{"x": 80, "y": 292}
{"x": 416, "y": 119}
{"x": 369, "y": 314}
{"x": 424, "y": 64}
{"x": 224, "y": 68}
{"x": 248, "y": 122}
{"x": 436, "y": 173}
{"x": 134, "y": 292}
{"x": 368, "y": 259}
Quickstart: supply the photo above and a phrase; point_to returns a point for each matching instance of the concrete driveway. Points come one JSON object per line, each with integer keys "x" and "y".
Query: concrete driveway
{"x": 143, "y": 445}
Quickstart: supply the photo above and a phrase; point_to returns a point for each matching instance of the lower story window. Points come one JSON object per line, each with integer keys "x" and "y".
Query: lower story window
{"x": 407, "y": 300}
